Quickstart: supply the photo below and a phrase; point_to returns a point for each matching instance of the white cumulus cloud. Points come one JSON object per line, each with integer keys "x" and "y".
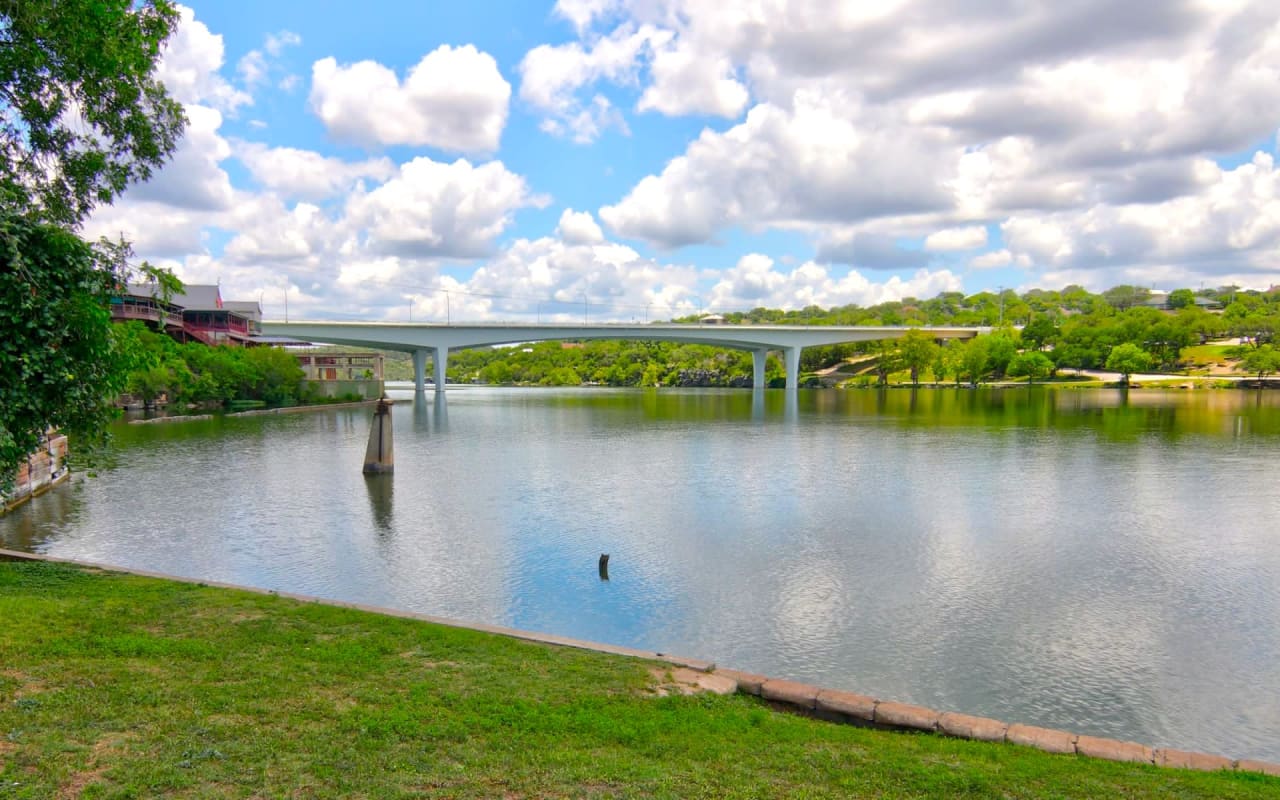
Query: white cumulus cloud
{"x": 444, "y": 210}
{"x": 967, "y": 238}
{"x": 306, "y": 173}
{"x": 189, "y": 66}
{"x": 454, "y": 99}
{"x": 579, "y": 227}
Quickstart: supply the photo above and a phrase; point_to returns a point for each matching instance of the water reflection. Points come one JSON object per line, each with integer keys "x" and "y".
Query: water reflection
{"x": 441, "y": 407}
{"x": 1060, "y": 557}
{"x": 421, "y": 418}
{"x": 381, "y": 489}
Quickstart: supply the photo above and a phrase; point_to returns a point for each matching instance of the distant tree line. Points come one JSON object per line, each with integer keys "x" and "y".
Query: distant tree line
{"x": 1034, "y": 334}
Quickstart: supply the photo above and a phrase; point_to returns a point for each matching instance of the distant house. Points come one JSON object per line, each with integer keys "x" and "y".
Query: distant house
{"x": 139, "y": 303}
{"x": 198, "y": 313}
{"x": 1160, "y": 300}
{"x": 335, "y": 374}
{"x": 250, "y": 310}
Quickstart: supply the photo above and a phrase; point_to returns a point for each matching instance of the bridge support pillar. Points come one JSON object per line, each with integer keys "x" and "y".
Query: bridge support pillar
{"x": 440, "y": 360}
{"x": 419, "y": 370}
{"x": 758, "y": 358}
{"x": 791, "y": 358}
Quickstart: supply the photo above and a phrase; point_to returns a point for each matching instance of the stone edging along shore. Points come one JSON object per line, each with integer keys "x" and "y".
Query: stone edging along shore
{"x": 829, "y": 704}
{"x": 254, "y": 412}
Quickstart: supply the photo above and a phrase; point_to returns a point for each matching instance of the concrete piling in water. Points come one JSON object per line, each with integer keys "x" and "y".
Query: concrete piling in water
{"x": 379, "y": 457}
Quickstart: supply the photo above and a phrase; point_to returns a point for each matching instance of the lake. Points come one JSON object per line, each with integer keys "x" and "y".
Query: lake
{"x": 1080, "y": 559}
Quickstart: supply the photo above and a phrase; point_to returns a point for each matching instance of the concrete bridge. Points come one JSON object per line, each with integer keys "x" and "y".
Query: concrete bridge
{"x": 423, "y": 338}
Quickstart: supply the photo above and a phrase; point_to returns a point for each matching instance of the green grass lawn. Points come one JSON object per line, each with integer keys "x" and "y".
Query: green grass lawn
{"x": 116, "y": 686}
{"x": 1201, "y": 358}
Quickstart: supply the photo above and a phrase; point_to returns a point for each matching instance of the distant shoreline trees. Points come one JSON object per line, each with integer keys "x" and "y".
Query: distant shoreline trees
{"x": 1044, "y": 331}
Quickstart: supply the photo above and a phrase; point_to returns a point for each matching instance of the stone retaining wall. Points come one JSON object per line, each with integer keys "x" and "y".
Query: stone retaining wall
{"x": 828, "y": 704}
{"x": 256, "y": 412}
{"x": 42, "y": 470}
{"x": 857, "y": 709}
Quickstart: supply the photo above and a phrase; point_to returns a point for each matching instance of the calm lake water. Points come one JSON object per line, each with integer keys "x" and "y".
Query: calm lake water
{"x": 1068, "y": 558}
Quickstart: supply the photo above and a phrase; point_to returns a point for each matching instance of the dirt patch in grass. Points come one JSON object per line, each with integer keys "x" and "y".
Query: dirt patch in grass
{"x": 78, "y": 782}
{"x": 27, "y": 685}
{"x": 107, "y": 747}
{"x": 682, "y": 680}
{"x": 414, "y": 655}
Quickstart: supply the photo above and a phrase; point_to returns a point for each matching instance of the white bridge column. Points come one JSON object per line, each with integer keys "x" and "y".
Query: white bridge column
{"x": 791, "y": 357}
{"x": 758, "y": 358}
{"x": 419, "y": 370}
{"x": 440, "y": 357}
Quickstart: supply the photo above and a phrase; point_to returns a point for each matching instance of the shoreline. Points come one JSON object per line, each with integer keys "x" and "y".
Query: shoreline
{"x": 251, "y": 412}
{"x": 831, "y": 705}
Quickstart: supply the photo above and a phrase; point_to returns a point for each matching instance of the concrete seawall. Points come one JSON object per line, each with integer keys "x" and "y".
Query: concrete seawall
{"x": 42, "y": 470}
{"x": 256, "y": 412}
{"x": 828, "y": 704}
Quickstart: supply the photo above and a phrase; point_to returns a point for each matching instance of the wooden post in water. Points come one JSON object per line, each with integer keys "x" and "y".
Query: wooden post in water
{"x": 379, "y": 457}
{"x": 604, "y": 566}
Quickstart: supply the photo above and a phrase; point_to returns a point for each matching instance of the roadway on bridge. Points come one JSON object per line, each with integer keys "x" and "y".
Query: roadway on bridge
{"x": 436, "y": 340}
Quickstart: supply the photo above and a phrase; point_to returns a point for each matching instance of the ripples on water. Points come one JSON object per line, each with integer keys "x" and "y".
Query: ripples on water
{"x": 1074, "y": 559}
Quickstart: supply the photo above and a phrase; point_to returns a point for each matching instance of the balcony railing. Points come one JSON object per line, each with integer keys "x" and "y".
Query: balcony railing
{"x": 146, "y": 313}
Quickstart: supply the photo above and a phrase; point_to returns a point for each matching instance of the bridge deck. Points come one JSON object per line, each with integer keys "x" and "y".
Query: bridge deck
{"x": 418, "y": 338}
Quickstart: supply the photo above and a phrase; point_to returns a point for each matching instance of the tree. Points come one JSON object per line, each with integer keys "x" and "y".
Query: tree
{"x": 1127, "y": 359}
{"x": 1262, "y": 361}
{"x": 1125, "y": 296}
{"x": 887, "y": 359}
{"x": 1040, "y": 331}
{"x": 82, "y": 114}
{"x": 1033, "y": 364}
{"x": 976, "y": 360}
{"x": 1181, "y": 298}
{"x": 916, "y": 349}
{"x": 1001, "y": 348}
{"x": 949, "y": 360}
{"x": 58, "y": 363}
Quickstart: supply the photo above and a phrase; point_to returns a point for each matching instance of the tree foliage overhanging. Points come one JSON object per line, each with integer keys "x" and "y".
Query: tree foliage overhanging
{"x": 57, "y": 359}
{"x": 82, "y": 115}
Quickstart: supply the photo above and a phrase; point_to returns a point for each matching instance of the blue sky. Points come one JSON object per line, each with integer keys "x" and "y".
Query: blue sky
{"x": 501, "y": 160}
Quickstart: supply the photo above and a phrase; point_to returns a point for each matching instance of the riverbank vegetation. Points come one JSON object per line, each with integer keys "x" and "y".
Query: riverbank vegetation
{"x": 1034, "y": 336}
{"x": 120, "y": 686}
{"x": 197, "y": 374}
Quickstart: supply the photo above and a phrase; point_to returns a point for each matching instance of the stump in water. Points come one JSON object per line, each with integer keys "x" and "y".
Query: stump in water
{"x": 379, "y": 457}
